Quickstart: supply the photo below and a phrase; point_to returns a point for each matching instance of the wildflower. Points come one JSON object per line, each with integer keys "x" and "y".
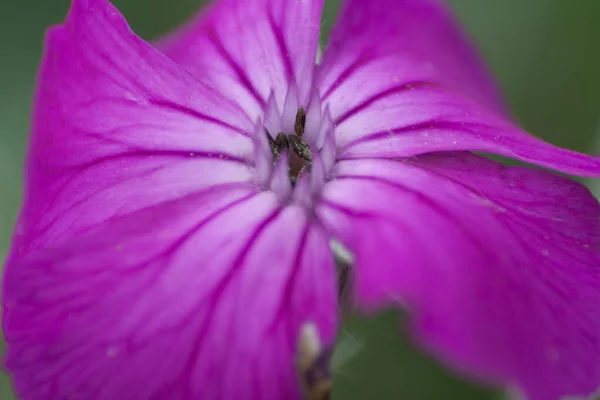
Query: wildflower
{"x": 189, "y": 207}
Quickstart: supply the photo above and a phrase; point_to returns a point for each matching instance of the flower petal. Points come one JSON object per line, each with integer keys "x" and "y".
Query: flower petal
{"x": 119, "y": 127}
{"x": 499, "y": 265}
{"x": 248, "y": 48}
{"x": 400, "y": 80}
{"x": 198, "y": 298}
{"x": 420, "y": 117}
{"x": 379, "y": 44}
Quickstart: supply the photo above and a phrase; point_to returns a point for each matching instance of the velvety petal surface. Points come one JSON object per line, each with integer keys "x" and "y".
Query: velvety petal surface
{"x": 119, "y": 127}
{"x": 197, "y": 298}
{"x": 498, "y": 266}
{"x": 400, "y": 80}
{"x": 250, "y": 48}
{"x": 381, "y": 42}
{"x": 147, "y": 264}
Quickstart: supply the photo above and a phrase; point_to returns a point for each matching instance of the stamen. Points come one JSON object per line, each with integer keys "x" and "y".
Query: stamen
{"x": 300, "y": 147}
{"x": 300, "y": 158}
{"x": 312, "y": 364}
{"x": 278, "y": 145}
{"x": 300, "y": 122}
{"x": 282, "y": 142}
{"x": 273, "y": 146}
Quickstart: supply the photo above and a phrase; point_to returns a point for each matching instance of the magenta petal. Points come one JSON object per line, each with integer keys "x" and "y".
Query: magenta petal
{"x": 379, "y": 44}
{"x": 400, "y": 80}
{"x": 197, "y": 298}
{"x": 419, "y": 117}
{"x": 118, "y": 127}
{"x": 248, "y": 48}
{"x": 498, "y": 265}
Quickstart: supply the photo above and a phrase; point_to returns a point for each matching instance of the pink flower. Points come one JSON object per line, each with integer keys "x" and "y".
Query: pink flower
{"x": 174, "y": 245}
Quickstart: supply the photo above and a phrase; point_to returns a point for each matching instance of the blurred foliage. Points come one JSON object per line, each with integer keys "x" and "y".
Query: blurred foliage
{"x": 544, "y": 53}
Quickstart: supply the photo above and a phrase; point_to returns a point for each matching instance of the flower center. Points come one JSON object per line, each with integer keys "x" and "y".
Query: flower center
{"x": 295, "y": 148}
{"x": 298, "y": 151}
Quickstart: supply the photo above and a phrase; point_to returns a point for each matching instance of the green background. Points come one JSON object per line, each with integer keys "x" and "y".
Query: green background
{"x": 545, "y": 53}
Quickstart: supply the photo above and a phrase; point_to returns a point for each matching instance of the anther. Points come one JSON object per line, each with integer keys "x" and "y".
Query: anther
{"x": 300, "y": 122}
{"x": 278, "y": 145}
{"x": 300, "y": 147}
{"x": 301, "y": 157}
{"x": 272, "y": 145}
{"x": 282, "y": 142}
